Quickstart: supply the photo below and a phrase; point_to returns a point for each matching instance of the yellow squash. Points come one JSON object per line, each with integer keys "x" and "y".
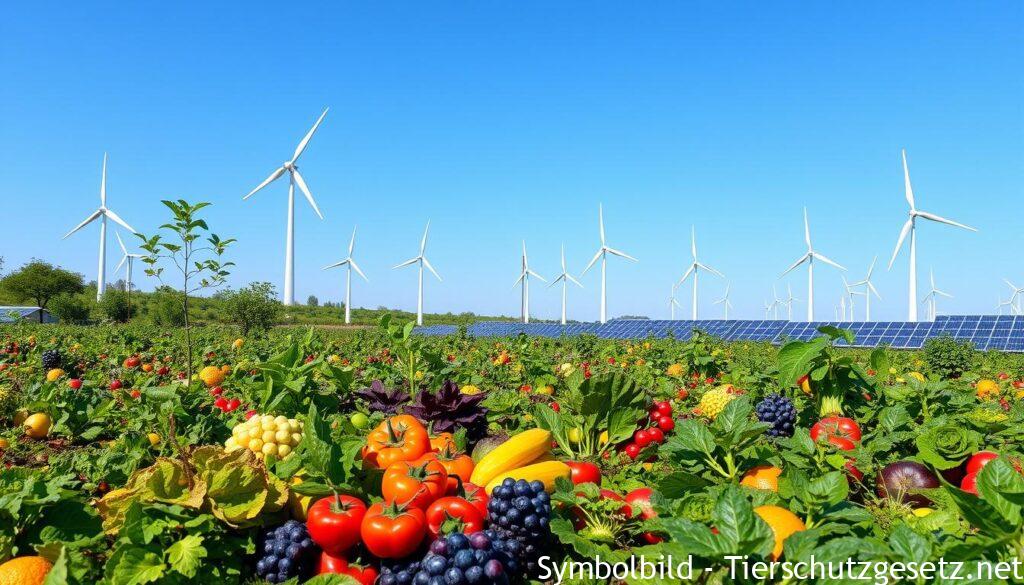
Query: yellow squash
{"x": 516, "y": 452}
{"x": 546, "y": 472}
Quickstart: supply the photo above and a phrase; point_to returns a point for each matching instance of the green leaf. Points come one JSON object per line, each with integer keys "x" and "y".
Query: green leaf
{"x": 332, "y": 579}
{"x": 58, "y": 574}
{"x": 136, "y": 566}
{"x": 909, "y": 545}
{"x": 997, "y": 482}
{"x": 837, "y": 333}
{"x": 186, "y": 555}
{"x": 795, "y": 359}
{"x": 737, "y": 523}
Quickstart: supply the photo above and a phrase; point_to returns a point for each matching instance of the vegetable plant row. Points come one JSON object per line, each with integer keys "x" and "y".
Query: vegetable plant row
{"x": 379, "y": 456}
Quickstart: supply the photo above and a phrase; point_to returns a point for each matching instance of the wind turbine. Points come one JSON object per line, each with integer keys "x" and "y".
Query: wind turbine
{"x": 809, "y": 258}
{"x": 524, "y": 277}
{"x": 929, "y": 299}
{"x": 842, "y": 307}
{"x": 911, "y": 227}
{"x": 294, "y": 178}
{"x": 351, "y": 263}
{"x": 790, "y": 299}
{"x": 724, "y": 301}
{"x": 126, "y": 261}
{"x": 565, "y": 279}
{"x": 602, "y": 254}
{"x": 1000, "y": 303}
{"x": 673, "y": 303}
{"x": 422, "y": 261}
{"x": 776, "y": 301}
{"x": 1014, "y": 297}
{"x": 869, "y": 289}
{"x": 694, "y": 269}
{"x": 768, "y": 309}
{"x": 852, "y": 294}
{"x": 102, "y": 214}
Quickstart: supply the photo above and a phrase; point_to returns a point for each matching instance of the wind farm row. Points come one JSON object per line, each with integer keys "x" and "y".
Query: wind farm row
{"x": 774, "y": 307}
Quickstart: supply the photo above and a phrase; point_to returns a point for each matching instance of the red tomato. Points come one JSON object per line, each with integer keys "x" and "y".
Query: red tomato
{"x": 641, "y": 500}
{"x": 392, "y": 531}
{"x": 216, "y": 391}
{"x": 840, "y": 431}
{"x": 979, "y": 460}
{"x": 970, "y": 483}
{"x": 115, "y": 385}
{"x": 655, "y": 434}
{"x": 633, "y": 450}
{"x": 584, "y": 472}
{"x": 476, "y": 495}
{"x": 417, "y": 484}
{"x": 642, "y": 438}
{"x": 74, "y": 384}
{"x": 453, "y": 514}
{"x": 853, "y": 472}
{"x": 664, "y": 408}
{"x": 555, "y": 407}
{"x": 333, "y": 523}
{"x": 666, "y": 424}
{"x": 233, "y": 404}
{"x": 221, "y": 403}
{"x": 366, "y": 575}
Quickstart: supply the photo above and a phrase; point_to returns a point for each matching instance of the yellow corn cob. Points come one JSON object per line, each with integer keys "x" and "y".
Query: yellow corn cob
{"x": 546, "y": 472}
{"x": 518, "y": 451}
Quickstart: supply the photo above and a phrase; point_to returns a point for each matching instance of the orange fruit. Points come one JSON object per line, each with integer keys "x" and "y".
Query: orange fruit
{"x": 783, "y": 524}
{"x": 24, "y": 571}
{"x": 987, "y": 389}
{"x": 211, "y": 376}
{"x": 675, "y": 370}
{"x": 37, "y": 425}
{"x": 762, "y": 477}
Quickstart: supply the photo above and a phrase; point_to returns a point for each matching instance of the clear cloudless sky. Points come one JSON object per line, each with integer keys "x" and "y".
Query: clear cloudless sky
{"x": 508, "y": 121}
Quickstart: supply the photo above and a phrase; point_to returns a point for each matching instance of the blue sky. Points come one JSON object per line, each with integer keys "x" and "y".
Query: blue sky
{"x": 508, "y": 121}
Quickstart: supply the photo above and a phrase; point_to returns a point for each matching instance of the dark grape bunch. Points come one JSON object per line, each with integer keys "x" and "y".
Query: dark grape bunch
{"x": 457, "y": 559}
{"x": 778, "y": 411}
{"x": 51, "y": 359}
{"x": 520, "y": 511}
{"x": 285, "y": 552}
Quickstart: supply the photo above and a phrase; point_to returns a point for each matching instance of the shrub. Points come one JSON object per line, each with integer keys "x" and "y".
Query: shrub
{"x": 948, "y": 357}
{"x": 254, "y": 308}
{"x": 166, "y": 309}
{"x": 69, "y": 308}
{"x": 115, "y": 305}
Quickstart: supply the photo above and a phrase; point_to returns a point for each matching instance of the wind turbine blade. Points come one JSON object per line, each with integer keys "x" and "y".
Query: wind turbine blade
{"x": 899, "y": 242}
{"x": 693, "y": 242}
{"x": 1010, "y": 284}
{"x": 943, "y": 294}
{"x": 593, "y": 261}
{"x": 121, "y": 263}
{"x": 305, "y": 139}
{"x": 940, "y": 219}
{"x": 103, "y": 183}
{"x": 431, "y": 268}
{"x": 522, "y": 275}
{"x": 600, "y": 221}
{"x": 121, "y": 243}
{"x": 273, "y": 177}
{"x": 356, "y": 268}
{"x": 84, "y": 223}
{"x": 795, "y": 264}
{"x": 305, "y": 191}
{"x": 573, "y": 280}
{"x": 686, "y": 274}
{"x": 710, "y": 269}
{"x": 118, "y": 219}
{"x": 563, "y": 257}
{"x": 807, "y": 230}
{"x": 352, "y": 242}
{"x": 874, "y": 290}
{"x": 535, "y": 275}
{"x": 908, "y": 190}
{"x": 407, "y": 262}
{"x": 560, "y": 278}
{"x": 871, "y": 268}
{"x": 622, "y": 254}
{"x": 423, "y": 242}
{"x": 336, "y": 264}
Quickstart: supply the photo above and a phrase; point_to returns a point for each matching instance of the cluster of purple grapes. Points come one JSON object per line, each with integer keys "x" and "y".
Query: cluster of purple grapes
{"x": 457, "y": 559}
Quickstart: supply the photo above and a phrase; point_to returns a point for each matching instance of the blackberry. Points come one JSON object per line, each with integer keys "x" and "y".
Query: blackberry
{"x": 457, "y": 559}
{"x": 519, "y": 512}
{"x": 778, "y": 411}
{"x": 286, "y": 551}
{"x": 51, "y": 359}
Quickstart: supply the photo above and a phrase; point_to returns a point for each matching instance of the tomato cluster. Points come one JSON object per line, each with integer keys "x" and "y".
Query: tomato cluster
{"x": 656, "y": 426}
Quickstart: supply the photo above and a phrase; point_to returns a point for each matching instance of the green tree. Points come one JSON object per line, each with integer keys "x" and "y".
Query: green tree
{"x": 165, "y": 307}
{"x": 39, "y": 282}
{"x": 194, "y": 251}
{"x": 254, "y": 308}
{"x": 312, "y": 301}
{"x": 69, "y": 308}
{"x": 115, "y": 305}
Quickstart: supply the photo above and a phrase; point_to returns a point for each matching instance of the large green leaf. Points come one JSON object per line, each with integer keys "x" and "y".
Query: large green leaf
{"x": 136, "y": 566}
{"x": 187, "y": 554}
{"x": 795, "y": 359}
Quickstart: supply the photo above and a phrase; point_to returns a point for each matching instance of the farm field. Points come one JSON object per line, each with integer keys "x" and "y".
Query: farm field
{"x": 378, "y": 455}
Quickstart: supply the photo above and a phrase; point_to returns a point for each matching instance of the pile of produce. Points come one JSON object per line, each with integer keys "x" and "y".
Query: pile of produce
{"x": 329, "y": 457}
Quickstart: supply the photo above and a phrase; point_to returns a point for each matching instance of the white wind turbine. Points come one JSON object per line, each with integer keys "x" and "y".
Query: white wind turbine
{"x": 126, "y": 261}
{"x": 850, "y": 292}
{"x": 1000, "y": 303}
{"x": 524, "y": 277}
{"x": 350, "y": 262}
{"x": 842, "y": 307}
{"x": 1014, "y": 297}
{"x": 695, "y": 268}
{"x": 724, "y": 301}
{"x": 776, "y": 301}
{"x": 294, "y": 178}
{"x": 768, "y": 309}
{"x": 673, "y": 303}
{"x": 869, "y": 289}
{"x": 809, "y": 258}
{"x": 421, "y": 259}
{"x": 911, "y": 227}
{"x": 602, "y": 254}
{"x": 102, "y": 214}
{"x": 929, "y": 299}
{"x": 565, "y": 278}
{"x": 790, "y": 299}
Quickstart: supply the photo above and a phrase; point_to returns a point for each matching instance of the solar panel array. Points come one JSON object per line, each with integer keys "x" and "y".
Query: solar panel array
{"x": 1003, "y": 333}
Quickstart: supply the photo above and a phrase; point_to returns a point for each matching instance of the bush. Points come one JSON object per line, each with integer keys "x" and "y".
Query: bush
{"x": 253, "y": 308}
{"x": 166, "y": 309}
{"x": 69, "y": 309}
{"x": 115, "y": 306}
{"x": 948, "y": 357}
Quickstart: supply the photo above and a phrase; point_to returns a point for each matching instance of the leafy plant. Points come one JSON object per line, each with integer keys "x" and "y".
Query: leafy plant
{"x": 948, "y": 357}
{"x": 253, "y": 308}
{"x": 448, "y": 411}
{"x": 833, "y": 376}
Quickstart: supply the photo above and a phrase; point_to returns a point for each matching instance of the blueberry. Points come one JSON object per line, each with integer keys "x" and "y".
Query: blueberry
{"x": 479, "y": 540}
{"x": 537, "y": 486}
{"x": 280, "y": 548}
{"x": 508, "y": 482}
{"x": 307, "y": 543}
{"x": 454, "y": 576}
{"x": 493, "y": 569}
{"x": 387, "y": 579}
{"x": 403, "y": 577}
{"x": 436, "y": 580}
{"x": 284, "y": 565}
{"x": 481, "y": 556}
{"x": 439, "y": 547}
{"x": 272, "y": 577}
{"x": 262, "y": 565}
{"x": 457, "y": 541}
{"x": 421, "y": 578}
{"x": 473, "y": 575}
{"x": 530, "y": 521}
{"x": 435, "y": 565}
{"x": 268, "y": 546}
{"x": 514, "y": 515}
{"x": 464, "y": 559}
